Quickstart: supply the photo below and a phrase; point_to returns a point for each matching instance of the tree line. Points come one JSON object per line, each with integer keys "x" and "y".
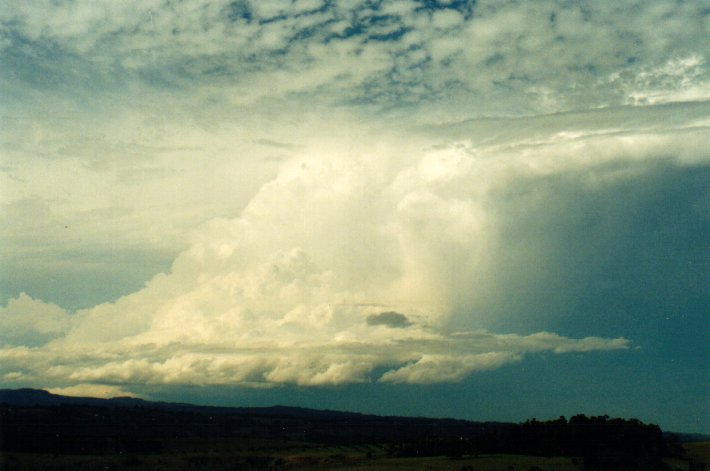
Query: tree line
{"x": 601, "y": 442}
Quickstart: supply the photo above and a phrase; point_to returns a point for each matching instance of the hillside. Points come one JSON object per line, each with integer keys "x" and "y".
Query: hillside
{"x": 35, "y": 424}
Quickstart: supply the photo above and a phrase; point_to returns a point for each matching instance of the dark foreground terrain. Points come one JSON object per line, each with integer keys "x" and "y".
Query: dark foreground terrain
{"x": 39, "y": 430}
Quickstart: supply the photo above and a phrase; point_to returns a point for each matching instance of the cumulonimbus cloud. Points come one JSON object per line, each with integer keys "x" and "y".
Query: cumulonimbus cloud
{"x": 345, "y": 270}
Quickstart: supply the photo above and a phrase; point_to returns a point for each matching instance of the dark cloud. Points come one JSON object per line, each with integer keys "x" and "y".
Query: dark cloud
{"x": 239, "y": 10}
{"x": 389, "y": 319}
{"x": 614, "y": 250}
{"x": 466, "y": 7}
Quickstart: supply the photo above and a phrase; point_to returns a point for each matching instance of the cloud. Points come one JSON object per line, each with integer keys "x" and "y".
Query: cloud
{"x": 91, "y": 390}
{"x": 30, "y": 322}
{"x": 452, "y": 234}
{"x": 389, "y": 319}
{"x": 443, "y": 368}
{"x": 133, "y": 124}
{"x": 530, "y": 57}
{"x": 678, "y": 79}
{"x": 315, "y": 360}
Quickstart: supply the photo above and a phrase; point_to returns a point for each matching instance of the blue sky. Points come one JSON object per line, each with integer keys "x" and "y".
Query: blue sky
{"x": 491, "y": 210}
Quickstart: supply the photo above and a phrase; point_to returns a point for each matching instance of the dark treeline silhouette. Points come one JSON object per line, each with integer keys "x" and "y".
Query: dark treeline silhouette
{"x": 602, "y": 443}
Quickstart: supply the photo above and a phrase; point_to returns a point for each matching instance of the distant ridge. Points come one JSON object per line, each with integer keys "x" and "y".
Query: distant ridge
{"x": 27, "y": 397}
{"x": 34, "y": 421}
{"x": 40, "y": 397}
{"x": 120, "y": 417}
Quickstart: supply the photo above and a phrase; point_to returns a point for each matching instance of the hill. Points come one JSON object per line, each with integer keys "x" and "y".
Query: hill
{"x": 35, "y": 423}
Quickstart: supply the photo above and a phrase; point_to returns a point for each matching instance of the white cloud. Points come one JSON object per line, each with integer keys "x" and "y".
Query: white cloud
{"x": 91, "y": 390}
{"x": 680, "y": 79}
{"x": 504, "y": 47}
{"x": 315, "y": 358}
{"x": 446, "y": 368}
{"x": 446, "y": 19}
{"x": 27, "y": 321}
{"x": 282, "y": 294}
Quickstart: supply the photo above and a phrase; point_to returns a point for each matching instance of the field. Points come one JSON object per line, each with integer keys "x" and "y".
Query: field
{"x": 248, "y": 454}
{"x": 277, "y": 455}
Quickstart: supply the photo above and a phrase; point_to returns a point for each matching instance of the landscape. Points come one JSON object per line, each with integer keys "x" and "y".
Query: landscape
{"x": 39, "y": 430}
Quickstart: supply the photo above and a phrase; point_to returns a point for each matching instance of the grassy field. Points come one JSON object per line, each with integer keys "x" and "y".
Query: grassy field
{"x": 697, "y": 458}
{"x": 248, "y": 454}
{"x": 286, "y": 455}
{"x": 699, "y": 451}
{"x": 342, "y": 459}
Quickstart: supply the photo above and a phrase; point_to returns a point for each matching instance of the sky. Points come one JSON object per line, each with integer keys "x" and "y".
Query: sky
{"x": 490, "y": 210}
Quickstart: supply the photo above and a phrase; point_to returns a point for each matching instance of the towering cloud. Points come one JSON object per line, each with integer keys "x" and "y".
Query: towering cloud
{"x": 285, "y": 292}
